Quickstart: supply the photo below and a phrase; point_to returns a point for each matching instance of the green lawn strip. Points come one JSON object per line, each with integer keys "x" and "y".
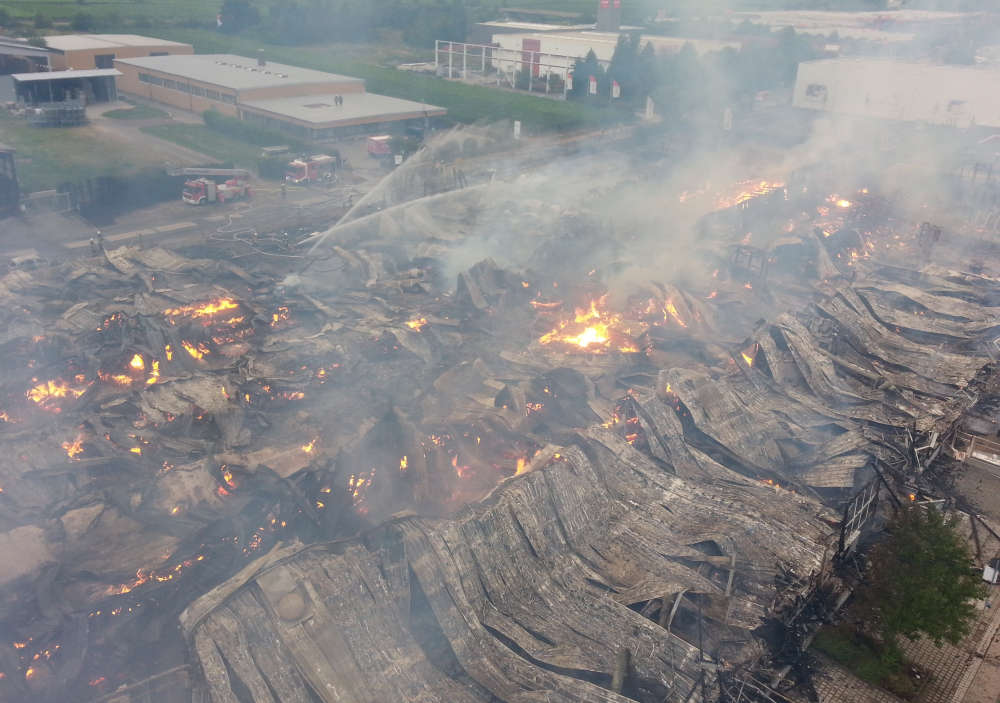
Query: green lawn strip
{"x": 465, "y": 103}
{"x": 139, "y": 112}
{"x": 207, "y": 141}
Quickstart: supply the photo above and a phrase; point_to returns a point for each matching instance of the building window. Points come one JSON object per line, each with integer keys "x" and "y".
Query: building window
{"x": 184, "y": 87}
{"x": 816, "y": 91}
{"x": 104, "y": 61}
{"x": 167, "y": 83}
{"x": 196, "y": 90}
{"x": 144, "y": 78}
{"x": 212, "y": 94}
{"x": 160, "y": 53}
{"x": 231, "y": 99}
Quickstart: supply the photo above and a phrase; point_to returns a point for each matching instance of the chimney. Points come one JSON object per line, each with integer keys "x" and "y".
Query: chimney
{"x": 609, "y": 15}
{"x": 260, "y": 58}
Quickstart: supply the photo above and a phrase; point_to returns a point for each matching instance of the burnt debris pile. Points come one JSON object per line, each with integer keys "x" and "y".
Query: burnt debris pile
{"x": 399, "y": 474}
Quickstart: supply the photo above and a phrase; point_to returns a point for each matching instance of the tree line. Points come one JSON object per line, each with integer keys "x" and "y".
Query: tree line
{"x": 308, "y": 21}
{"x": 685, "y": 84}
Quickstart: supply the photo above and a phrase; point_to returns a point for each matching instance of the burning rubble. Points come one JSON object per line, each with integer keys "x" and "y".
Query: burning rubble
{"x": 544, "y": 473}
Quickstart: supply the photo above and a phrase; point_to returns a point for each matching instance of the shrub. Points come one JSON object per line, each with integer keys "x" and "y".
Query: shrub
{"x": 82, "y": 22}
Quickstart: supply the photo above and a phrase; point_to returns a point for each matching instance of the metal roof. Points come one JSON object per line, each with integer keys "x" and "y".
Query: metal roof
{"x": 13, "y": 47}
{"x": 321, "y": 110}
{"x": 85, "y": 42}
{"x": 234, "y": 72}
{"x": 63, "y": 75}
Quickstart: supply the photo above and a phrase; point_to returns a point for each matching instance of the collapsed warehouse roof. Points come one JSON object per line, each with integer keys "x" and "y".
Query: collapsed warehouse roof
{"x": 567, "y": 471}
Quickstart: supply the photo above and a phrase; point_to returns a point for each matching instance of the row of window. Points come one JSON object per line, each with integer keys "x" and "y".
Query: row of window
{"x": 187, "y": 88}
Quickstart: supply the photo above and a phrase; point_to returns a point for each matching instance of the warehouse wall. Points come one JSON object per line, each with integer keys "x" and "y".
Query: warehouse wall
{"x": 129, "y": 82}
{"x": 83, "y": 59}
{"x": 960, "y": 96}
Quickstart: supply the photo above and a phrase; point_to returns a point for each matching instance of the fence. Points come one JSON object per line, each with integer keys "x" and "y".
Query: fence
{"x": 537, "y": 68}
{"x": 46, "y": 201}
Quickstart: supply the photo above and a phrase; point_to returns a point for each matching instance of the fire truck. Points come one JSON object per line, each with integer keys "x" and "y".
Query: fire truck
{"x": 380, "y": 147}
{"x": 204, "y": 189}
{"x": 311, "y": 168}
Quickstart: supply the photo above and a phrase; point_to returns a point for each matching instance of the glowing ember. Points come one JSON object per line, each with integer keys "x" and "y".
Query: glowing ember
{"x": 843, "y": 203}
{"x": 204, "y": 310}
{"x": 747, "y": 358}
{"x": 4, "y": 417}
{"x": 119, "y": 379}
{"x": 137, "y": 362}
{"x": 30, "y": 673}
{"x": 279, "y": 316}
{"x": 539, "y": 305}
{"x": 522, "y": 466}
{"x": 746, "y": 191}
{"x": 460, "y": 470}
{"x": 74, "y": 448}
{"x": 136, "y": 450}
{"x": 196, "y": 352}
{"x": 154, "y": 374}
{"x": 308, "y": 448}
{"x": 356, "y": 484}
{"x": 98, "y": 681}
{"x": 169, "y": 352}
{"x": 417, "y": 324}
{"x": 403, "y": 464}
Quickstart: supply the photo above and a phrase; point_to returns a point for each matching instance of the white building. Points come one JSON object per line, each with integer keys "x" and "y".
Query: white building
{"x": 887, "y": 26}
{"x": 961, "y": 96}
{"x": 561, "y": 49}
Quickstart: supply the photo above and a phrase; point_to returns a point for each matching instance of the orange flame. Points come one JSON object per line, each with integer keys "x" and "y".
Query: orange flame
{"x": 169, "y": 352}
{"x": 196, "y": 352}
{"x": 281, "y": 314}
{"x": 403, "y": 463}
{"x": 672, "y": 310}
{"x": 136, "y": 450}
{"x": 747, "y": 190}
{"x": 53, "y": 389}
{"x": 522, "y": 466}
{"x": 137, "y": 363}
{"x": 417, "y": 324}
{"x": 209, "y": 309}
{"x": 74, "y": 448}
{"x": 308, "y": 448}
{"x": 154, "y": 374}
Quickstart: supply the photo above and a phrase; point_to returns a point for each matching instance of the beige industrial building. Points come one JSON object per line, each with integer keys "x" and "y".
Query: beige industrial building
{"x": 306, "y": 103}
{"x": 960, "y": 96}
{"x": 85, "y": 51}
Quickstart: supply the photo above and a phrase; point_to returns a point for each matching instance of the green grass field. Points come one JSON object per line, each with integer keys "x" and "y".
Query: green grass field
{"x": 145, "y": 11}
{"x": 206, "y": 141}
{"x": 48, "y": 157}
{"x": 139, "y": 112}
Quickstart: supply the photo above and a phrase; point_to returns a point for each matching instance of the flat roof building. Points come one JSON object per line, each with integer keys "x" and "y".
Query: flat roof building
{"x": 304, "y": 102}
{"x": 82, "y": 51}
{"x": 88, "y": 86}
{"x": 559, "y": 50}
{"x": 959, "y": 96}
